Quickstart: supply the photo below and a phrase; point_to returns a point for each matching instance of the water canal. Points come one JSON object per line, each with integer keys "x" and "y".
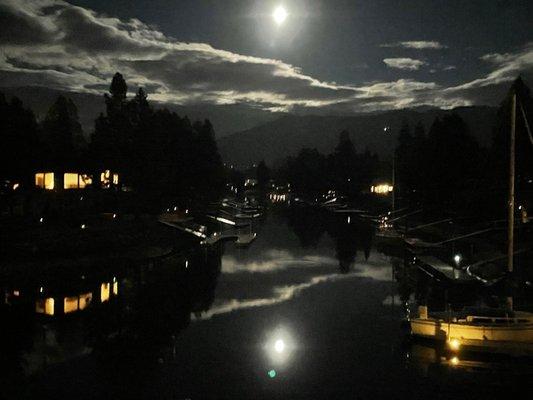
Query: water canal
{"x": 312, "y": 309}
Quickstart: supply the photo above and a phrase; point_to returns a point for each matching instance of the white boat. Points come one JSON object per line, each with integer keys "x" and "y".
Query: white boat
{"x": 491, "y": 330}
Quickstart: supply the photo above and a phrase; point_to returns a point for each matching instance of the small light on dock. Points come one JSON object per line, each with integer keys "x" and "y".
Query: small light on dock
{"x": 454, "y": 344}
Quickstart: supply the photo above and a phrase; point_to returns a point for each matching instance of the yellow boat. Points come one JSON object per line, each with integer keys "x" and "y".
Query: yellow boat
{"x": 492, "y": 330}
{"x": 504, "y": 330}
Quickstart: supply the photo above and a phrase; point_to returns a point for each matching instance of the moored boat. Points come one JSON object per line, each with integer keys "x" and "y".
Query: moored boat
{"x": 485, "y": 329}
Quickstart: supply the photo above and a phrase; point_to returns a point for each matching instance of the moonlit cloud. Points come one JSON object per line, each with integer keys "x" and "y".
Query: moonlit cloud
{"x": 55, "y": 44}
{"x": 417, "y": 44}
{"x": 404, "y": 63}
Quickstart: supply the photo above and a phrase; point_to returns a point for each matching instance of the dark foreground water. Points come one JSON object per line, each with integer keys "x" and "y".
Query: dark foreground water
{"x": 311, "y": 310}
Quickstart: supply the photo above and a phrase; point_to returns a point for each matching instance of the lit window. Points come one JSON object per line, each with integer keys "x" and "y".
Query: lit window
{"x": 105, "y": 178}
{"x": 115, "y": 179}
{"x": 104, "y": 291}
{"x": 70, "y": 181}
{"x": 85, "y": 180}
{"x": 382, "y": 189}
{"x": 115, "y": 288}
{"x": 85, "y": 300}
{"x": 44, "y": 180}
{"x": 45, "y": 306}
{"x": 71, "y": 304}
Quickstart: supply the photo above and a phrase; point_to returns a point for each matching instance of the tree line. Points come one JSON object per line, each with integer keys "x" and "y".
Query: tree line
{"x": 443, "y": 168}
{"x": 344, "y": 170}
{"x": 155, "y": 151}
{"x": 446, "y": 168}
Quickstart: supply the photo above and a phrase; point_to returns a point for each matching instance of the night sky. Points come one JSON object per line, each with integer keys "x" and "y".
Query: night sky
{"x": 335, "y": 56}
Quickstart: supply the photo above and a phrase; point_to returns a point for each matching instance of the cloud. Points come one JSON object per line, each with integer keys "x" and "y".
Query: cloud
{"x": 492, "y": 87}
{"x": 416, "y": 44}
{"x": 55, "y": 44}
{"x": 404, "y": 63}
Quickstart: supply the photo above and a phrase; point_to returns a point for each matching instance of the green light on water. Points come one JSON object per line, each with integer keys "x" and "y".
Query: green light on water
{"x": 272, "y": 373}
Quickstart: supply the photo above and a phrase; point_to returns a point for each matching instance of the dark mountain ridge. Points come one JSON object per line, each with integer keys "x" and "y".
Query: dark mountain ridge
{"x": 285, "y": 136}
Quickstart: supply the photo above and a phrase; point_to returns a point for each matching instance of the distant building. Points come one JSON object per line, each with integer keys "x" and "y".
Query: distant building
{"x": 381, "y": 189}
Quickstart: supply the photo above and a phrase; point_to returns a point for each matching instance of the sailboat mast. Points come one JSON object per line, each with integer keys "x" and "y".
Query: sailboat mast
{"x": 510, "y": 232}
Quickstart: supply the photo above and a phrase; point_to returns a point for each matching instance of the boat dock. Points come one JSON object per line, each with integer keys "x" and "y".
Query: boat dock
{"x": 440, "y": 270}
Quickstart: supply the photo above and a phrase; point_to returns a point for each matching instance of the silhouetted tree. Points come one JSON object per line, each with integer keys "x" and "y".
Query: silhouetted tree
{"x": 498, "y": 166}
{"x": 19, "y": 145}
{"x": 62, "y": 136}
{"x": 263, "y": 174}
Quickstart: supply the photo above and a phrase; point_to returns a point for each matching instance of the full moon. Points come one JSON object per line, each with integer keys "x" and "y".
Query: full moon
{"x": 279, "y": 346}
{"x": 280, "y": 15}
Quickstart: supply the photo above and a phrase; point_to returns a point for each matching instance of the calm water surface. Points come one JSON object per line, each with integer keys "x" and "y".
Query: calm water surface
{"x": 310, "y": 310}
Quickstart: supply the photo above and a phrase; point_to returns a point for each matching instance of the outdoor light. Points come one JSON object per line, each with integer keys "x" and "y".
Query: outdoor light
{"x": 82, "y": 226}
{"x": 454, "y": 344}
{"x": 186, "y": 263}
{"x": 41, "y": 220}
{"x": 454, "y": 360}
{"x": 457, "y": 258}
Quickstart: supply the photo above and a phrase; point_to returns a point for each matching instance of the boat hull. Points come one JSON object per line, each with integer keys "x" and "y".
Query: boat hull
{"x": 515, "y": 337}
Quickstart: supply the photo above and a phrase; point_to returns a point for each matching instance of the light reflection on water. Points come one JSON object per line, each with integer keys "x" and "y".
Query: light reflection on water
{"x": 298, "y": 298}
{"x": 377, "y": 267}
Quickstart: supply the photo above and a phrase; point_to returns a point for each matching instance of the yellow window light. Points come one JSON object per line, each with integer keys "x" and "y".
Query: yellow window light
{"x": 104, "y": 291}
{"x": 382, "y": 188}
{"x": 49, "y": 180}
{"x": 85, "y": 300}
{"x": 44, "y": 180}
{"x": 45, "y": 306}
{"x": 84, "y": 180}
{"x": 105, "y": 178}
{"x": 70, "y": 180}
{"x": 70, "y": 304}
{"x": 115, "y": 288}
